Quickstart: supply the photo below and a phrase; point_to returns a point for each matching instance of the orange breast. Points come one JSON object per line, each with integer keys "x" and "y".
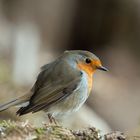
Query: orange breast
{"x": 89, "y": 70}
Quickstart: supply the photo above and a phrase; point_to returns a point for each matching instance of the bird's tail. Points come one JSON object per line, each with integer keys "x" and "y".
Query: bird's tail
{"x": 21, "y": 101}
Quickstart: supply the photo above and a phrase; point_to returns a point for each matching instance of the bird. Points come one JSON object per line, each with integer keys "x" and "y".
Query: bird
{"x": 62, "y": 86}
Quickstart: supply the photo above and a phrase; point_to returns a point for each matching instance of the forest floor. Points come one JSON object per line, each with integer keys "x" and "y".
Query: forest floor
{"x": 25, "y": 131}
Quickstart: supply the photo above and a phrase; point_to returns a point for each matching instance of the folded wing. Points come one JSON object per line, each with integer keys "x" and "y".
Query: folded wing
{"x": 52, "y": 86}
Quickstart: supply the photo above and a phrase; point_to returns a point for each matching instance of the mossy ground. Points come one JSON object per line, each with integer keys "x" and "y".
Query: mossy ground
{"x": 25, "y": 131}
{"x": 10, "y": 130}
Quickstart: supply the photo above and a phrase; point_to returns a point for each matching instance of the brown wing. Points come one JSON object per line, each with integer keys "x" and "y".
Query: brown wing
{"x": 52, "y": 90}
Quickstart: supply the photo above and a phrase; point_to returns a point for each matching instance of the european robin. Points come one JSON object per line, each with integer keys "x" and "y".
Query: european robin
{"x": 62, "y": 85}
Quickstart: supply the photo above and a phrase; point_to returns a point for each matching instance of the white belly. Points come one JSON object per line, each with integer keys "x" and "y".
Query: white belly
{"x": 74, "y": 101}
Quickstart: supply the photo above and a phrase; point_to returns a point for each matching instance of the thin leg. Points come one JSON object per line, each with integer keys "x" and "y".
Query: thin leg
{"x": 52, "y": 119}
{"x": 55, "y": 122}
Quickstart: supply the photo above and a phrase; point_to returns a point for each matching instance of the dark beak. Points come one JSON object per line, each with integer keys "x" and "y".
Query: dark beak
{"x": 102, "y": 68}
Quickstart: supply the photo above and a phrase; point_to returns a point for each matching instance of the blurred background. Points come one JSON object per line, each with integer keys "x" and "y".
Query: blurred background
{"x": 33, "y": 33}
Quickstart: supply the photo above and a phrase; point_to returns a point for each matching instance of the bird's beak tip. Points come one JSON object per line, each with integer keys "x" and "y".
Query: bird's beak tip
{"x": 102, "y": 68}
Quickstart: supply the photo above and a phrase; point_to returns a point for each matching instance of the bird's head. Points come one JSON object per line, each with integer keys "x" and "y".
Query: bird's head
{"x": 86, "y": 61}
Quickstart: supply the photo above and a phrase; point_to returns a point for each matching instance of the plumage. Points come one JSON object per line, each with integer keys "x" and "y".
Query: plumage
{"x": 62, "y": 86}
{"x": 47, "y": 90}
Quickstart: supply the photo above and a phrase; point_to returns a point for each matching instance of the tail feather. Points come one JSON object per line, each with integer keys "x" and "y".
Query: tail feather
{"x": 10, "y": 104}
{"x": 22, "y": 111}
{"x": 19, "y": 101}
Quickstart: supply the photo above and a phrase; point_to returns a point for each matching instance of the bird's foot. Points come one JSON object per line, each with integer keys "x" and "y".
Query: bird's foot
{"x": 52, "y": 120}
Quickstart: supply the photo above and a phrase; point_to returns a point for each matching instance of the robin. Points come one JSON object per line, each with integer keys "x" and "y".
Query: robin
{"x": 61, "y": 87}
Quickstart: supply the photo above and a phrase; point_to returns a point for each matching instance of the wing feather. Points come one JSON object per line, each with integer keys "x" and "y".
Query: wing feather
{"x": 48, "y": 90}
{"x": 59, "y": 95}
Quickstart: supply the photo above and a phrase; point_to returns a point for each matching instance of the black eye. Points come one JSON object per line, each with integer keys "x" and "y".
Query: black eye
{"x": 88, "y": 60}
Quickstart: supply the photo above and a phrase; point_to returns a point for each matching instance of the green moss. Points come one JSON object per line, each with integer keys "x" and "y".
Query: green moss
{"x": 40, "y": 131}
{"x": 23, "y": 130}
{"x": 5, "y": 124}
